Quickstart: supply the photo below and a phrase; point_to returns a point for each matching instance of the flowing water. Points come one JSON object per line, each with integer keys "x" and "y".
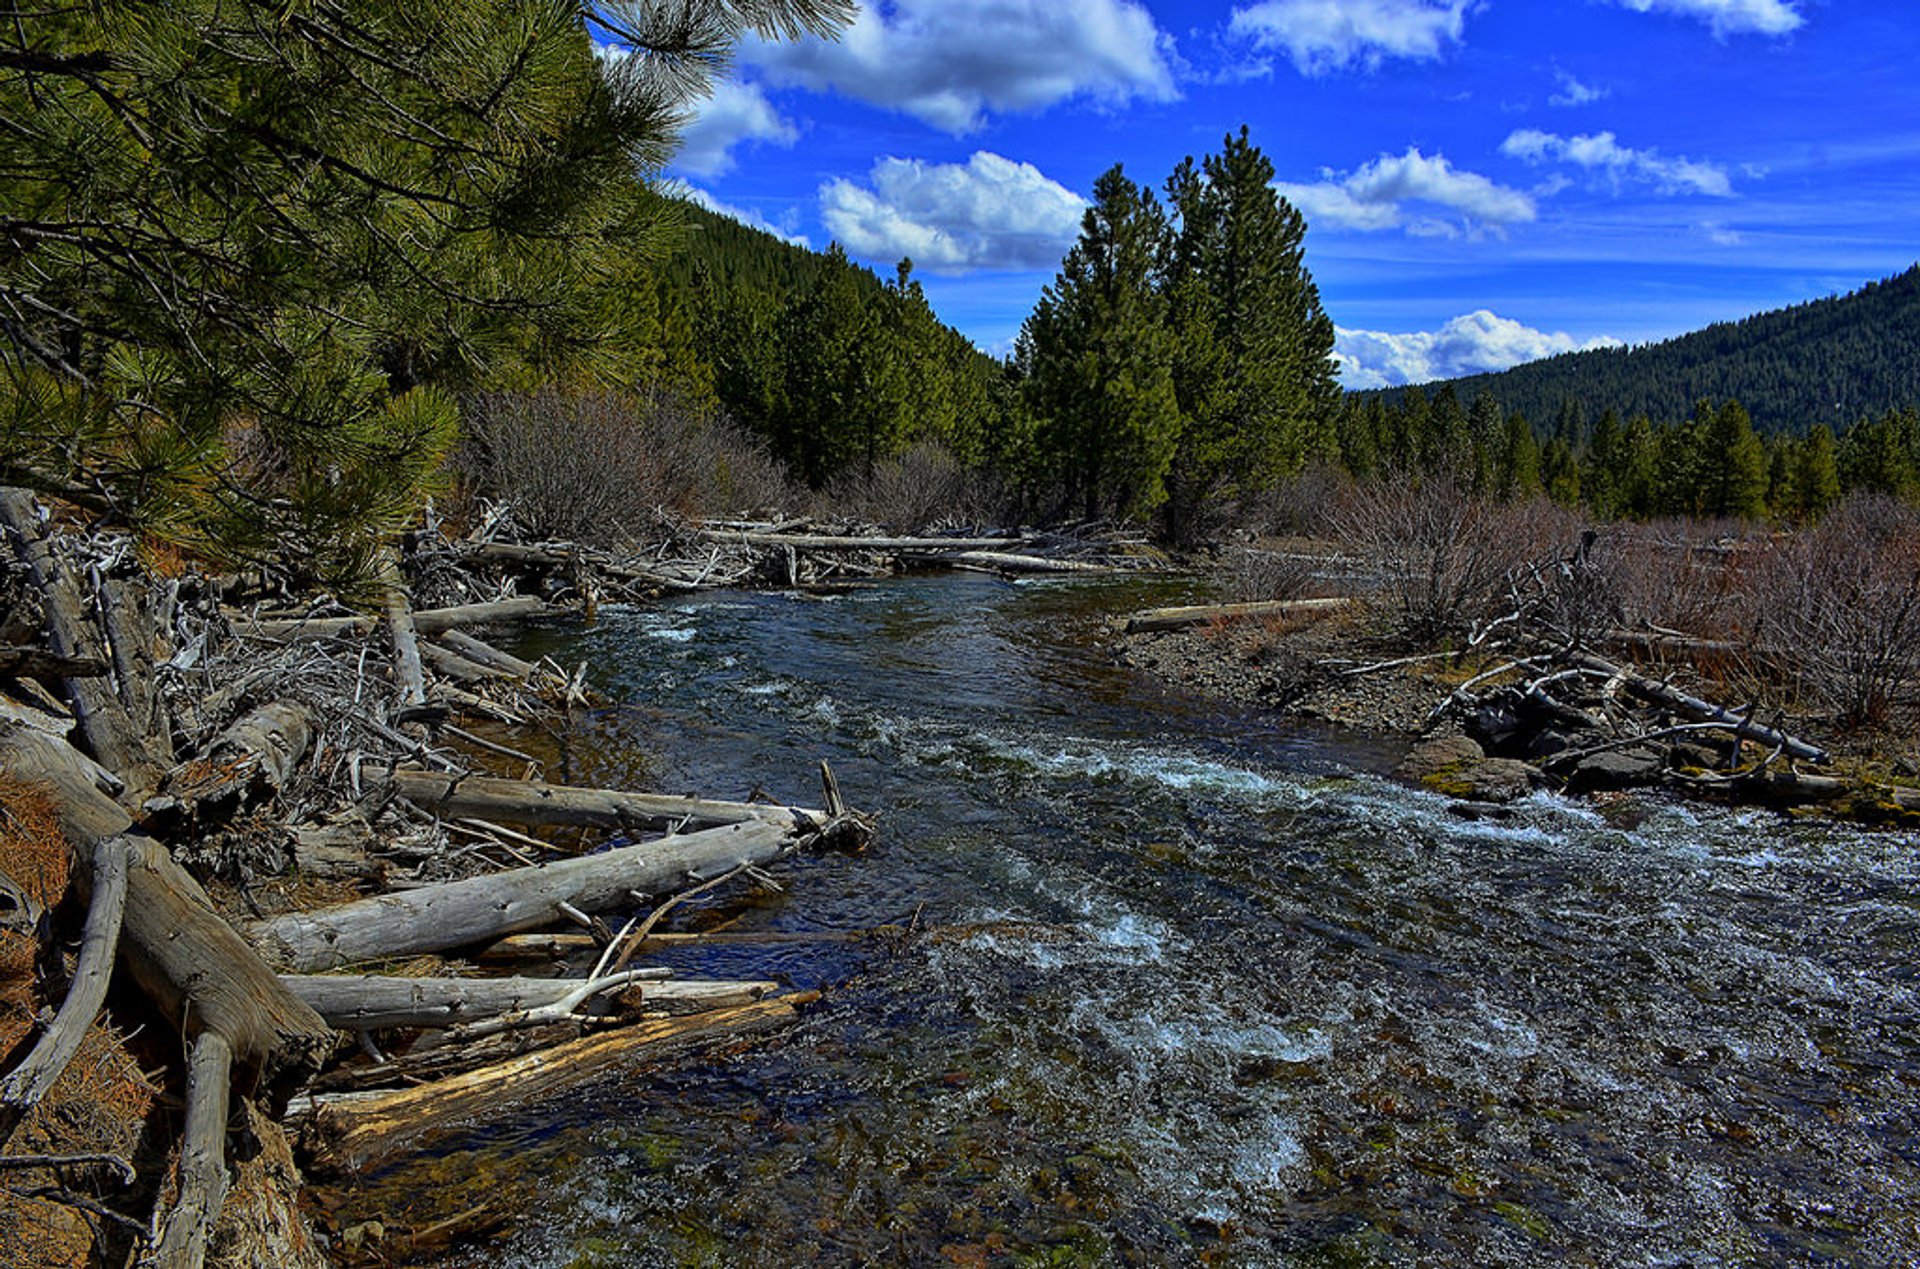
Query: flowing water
{"x": 1200, "y": 987}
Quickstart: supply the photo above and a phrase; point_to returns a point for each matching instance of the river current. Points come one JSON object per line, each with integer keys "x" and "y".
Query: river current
{"x": 1195, "y": 986}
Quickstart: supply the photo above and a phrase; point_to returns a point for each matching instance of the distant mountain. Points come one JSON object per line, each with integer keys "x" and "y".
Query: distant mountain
{"x": 1829, "y": 361}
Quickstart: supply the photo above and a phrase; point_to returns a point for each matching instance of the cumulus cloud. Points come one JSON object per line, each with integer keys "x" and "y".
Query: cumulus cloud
{"x": 1573, "y": 92}
{"x": 1328, "y": 35}
{"x": 1730, "y": 17}
{"x": 950, "y": 62}
{"x": 1473, "y": 343}
{"x": 745, "y": 215}
{"x": 735, "y": 113}
{"x": 1378, "y": 196}
{"x": 1602, "y": 154}
{"x": 988, "y": 213}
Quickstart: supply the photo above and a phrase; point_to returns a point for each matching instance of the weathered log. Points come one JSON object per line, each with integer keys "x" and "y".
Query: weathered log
{"x": 371, "y": 1003}
{"x": 1155, "y": 619}
{"x": 455, "y": 796}
{"x": 30, "y": 1081}
{"x": 1009, "y": 562}
{"x": 40, "y": 664}
{"x": 883, "y": 545}
{"x": 408, "y": 675}
{"x": 481, "y": 909}
{"x": 110, "y": 732}
{"x": 478, "y": 706}
{"x": 454, "y": 666}
{"x": 519, "y": 948}
{"x": 482, "y": 653}
{"x": 336, "y": 851}
{"x": 1665, "y": 694}
{"x": 258, "y": 752}
{"x": 194, "y": 967}
{"x": 203, "y": 1156}
{"x": 130, "y": 636}
{"x": 430, "y": 621}
{"x": 1800, "y": 787}
{"x": 352, "y": 1136}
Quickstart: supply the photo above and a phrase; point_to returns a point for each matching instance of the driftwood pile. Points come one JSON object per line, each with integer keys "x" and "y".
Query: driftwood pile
{"x": 1562, "y": 696}
{"x": 200, "y": 735}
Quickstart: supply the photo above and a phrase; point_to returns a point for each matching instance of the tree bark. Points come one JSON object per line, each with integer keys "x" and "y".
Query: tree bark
{"x": 1155, "y": 619}
{"x": 534, "y": 802}
{"x": 30, "y": 1081}
{"x": 481, "y": 909}
{"x": 104, "y": 721}
{"x": 39, "y": 664}
{"x": 203, "y": 1156}
{"x": 431, "y": 621}
{"x": 371, "y": 1003}
{"x": 481, "y": 653}
{"x": 353, "y": 1136}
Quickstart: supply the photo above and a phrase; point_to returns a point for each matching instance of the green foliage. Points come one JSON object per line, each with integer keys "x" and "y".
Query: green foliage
{"x": 1828, "y": 361}
{"x": 252, "y": 249}
{"x": 1252, "y": 365}
{"x": 1098, "y": 357}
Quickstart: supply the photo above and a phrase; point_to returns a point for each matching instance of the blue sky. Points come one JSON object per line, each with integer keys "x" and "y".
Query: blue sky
{"x": 1485, "y": 181}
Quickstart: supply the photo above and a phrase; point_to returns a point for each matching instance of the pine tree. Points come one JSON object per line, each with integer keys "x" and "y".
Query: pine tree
{"x": 1253, "y": 362}
{"x": 255, "y": 249}
{"x": 1731, "y": 465}
{"x": 1098, "y": 358}
{"x": 1817, "y": 477}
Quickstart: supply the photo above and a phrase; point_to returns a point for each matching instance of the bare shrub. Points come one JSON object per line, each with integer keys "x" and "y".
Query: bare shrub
{"x": 1693, "y": 577}
{"x": 594, "y": 466}
{"x": 1302, "y": 504}
{"x": 1843, "y": 603}
{"x": 1447, "y": 561}
{"x": 925, "y": 488}
{"x": 1249, "y": 575}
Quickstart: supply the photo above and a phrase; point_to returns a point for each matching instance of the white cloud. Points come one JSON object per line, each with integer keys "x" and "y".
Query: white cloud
{"x": 1474, "y": 343}
{"x": 1376, "y": 196}
{"x": 1573, "y": 92}
{"x": 989, "y": 213}
{"x": 1720, "y": 235}
{"x": 1603, "y": 154}
{"x": 1327, "y": 35}
{"x": 950, "y": 62}
{"x": 1730, "y": 17}
{"x": 745, "y": 215}
{"x": 735, "y": 113}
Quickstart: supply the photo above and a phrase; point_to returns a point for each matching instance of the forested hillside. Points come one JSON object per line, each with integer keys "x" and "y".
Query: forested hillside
{"x": 1829, "y": 361}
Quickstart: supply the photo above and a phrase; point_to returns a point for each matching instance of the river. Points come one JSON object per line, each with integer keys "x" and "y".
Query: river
{"x": 1201, "y": 987}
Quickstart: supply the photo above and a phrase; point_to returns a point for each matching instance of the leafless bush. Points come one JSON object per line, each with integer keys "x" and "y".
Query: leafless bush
{"x": 924, "y": 488}
{"x": 1250, "y": 575}
{"x": 1302, "y": 504}
{"x": 1843, "y": 603}
{"x": 1694, "y": 577}
{"x": 594, "y": 466}
{"x": 1447, "y": 561}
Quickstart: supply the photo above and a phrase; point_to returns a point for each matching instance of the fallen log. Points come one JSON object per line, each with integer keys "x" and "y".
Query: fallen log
{"x": 537, "y": 803}
{"x": 1007, "y": 562}
{"x": 409, "y": 676}
{"x": 110, "y": 731}
{"x": 258, "y": 752}
{"x": 454, "y": 666}
{"x": 351, "y": 1136}
{"x": 1156, "y": 619}
{"x": 481, "y": 909}
{"x": 882, "y": 545}
{"x": 203, "y": 1156}
{"x": 30, "y": 1081}
{"x": 481, "y": 653}
{"x": 195, "y": 968}
{"x": 37, "y": 663}
{"x": 353, "y": 1002}
{"x": 1665, "y": 694}
{"x": 532, "y": 947}
{"x": 430, "y": 621}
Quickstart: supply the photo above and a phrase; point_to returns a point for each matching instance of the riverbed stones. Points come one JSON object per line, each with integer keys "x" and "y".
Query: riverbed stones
{"x": 1616, "y": 769}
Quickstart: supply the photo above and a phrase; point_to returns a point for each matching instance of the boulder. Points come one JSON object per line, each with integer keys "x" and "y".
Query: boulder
{"x": 1616, "y": 769}
{"x": 1459, "y": 768}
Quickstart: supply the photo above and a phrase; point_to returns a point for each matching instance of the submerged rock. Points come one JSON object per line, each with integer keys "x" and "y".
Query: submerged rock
{"x": 1458, "y": 767}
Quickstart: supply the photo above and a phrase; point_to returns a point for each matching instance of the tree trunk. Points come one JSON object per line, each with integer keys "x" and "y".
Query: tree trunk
{"x": 480, "y": 909}
{"x": 533, "y": 802}
{"x": 371, "y": 1003}
{"x": 352, "y": 1136}
{"x": 429, "y": 622}
{"x": 1155, "y": 619}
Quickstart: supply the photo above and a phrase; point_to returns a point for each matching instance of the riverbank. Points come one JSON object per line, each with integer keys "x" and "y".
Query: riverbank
{"x": 1477, "y": 730}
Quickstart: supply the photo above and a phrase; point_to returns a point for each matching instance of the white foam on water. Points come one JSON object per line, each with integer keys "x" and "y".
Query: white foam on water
{"x": 672, "y": 634}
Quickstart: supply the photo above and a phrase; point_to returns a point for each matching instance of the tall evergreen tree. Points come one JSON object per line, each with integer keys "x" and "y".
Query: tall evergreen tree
{"x": 1253, "y": 349}
{"x": 253, "y": 249}
{"x": 1098, "y": 357}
